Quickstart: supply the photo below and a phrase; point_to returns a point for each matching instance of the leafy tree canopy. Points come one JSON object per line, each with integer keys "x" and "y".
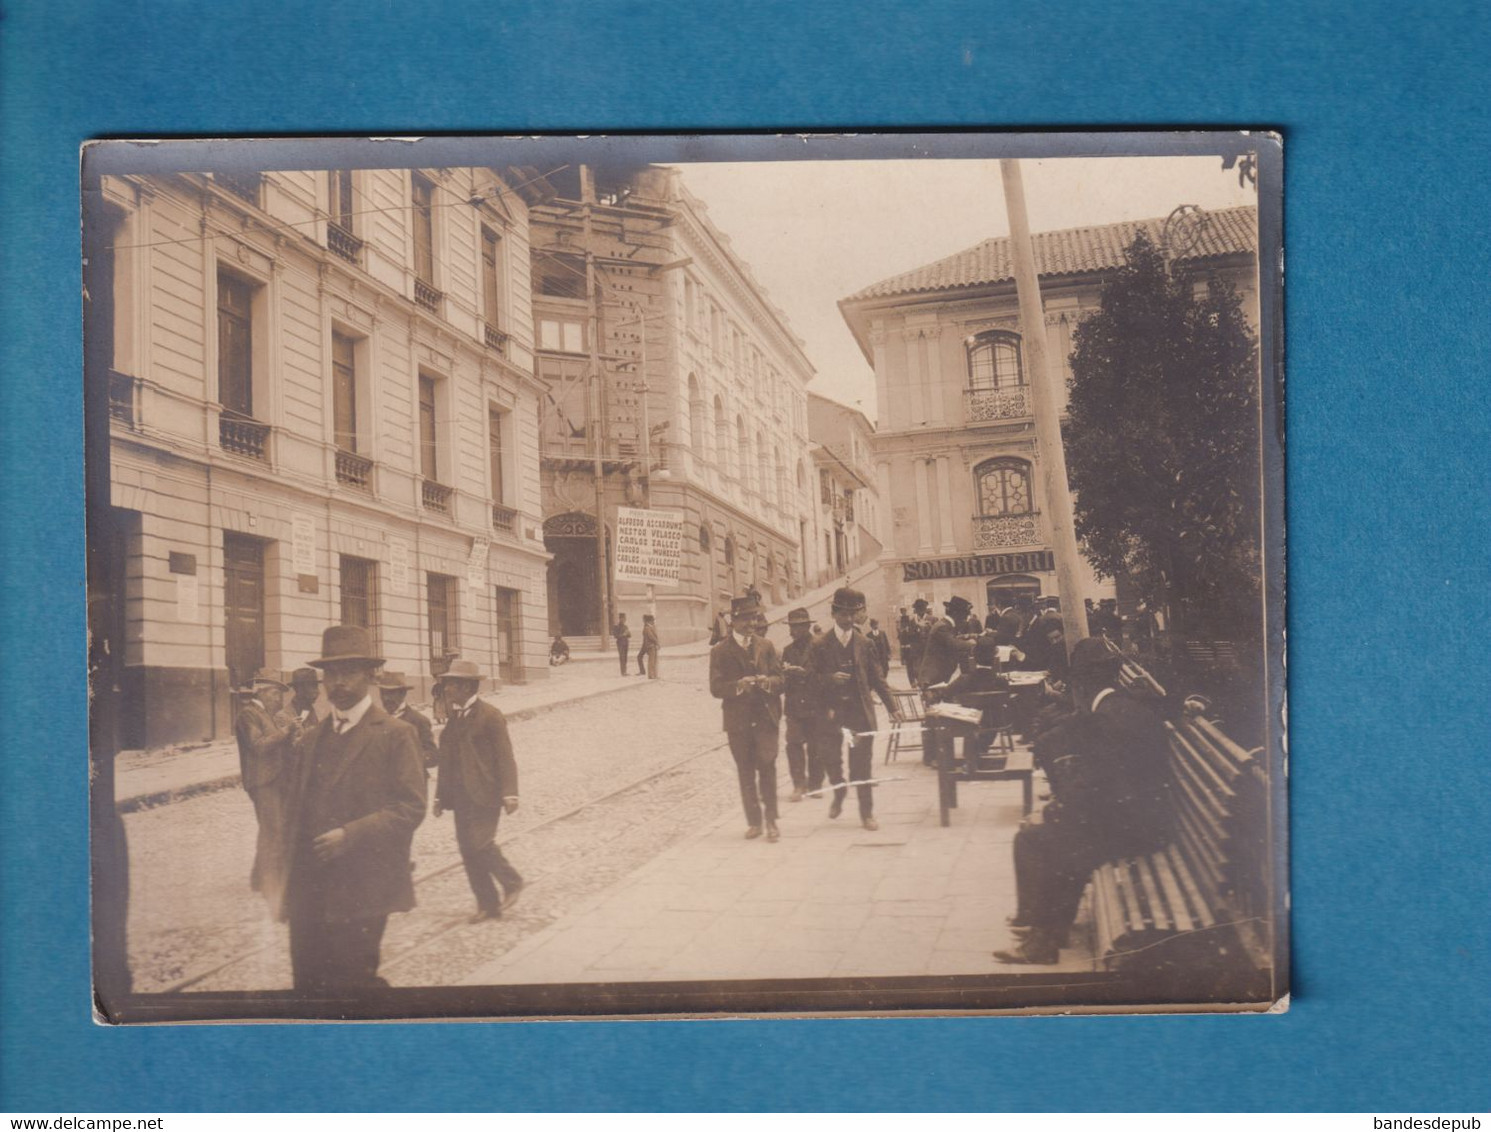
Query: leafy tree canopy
{"x": 1162, "y": 444}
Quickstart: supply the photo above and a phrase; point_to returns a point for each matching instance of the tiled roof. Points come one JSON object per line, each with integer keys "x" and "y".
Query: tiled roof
{"x": 1071, "y": 251}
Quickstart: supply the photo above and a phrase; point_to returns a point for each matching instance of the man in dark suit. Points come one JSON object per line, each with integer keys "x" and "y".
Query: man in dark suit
{"x": 847, "y": 669}
{"x": 359, "y": 794}
{"x": 305, "y": 683}
{"x": 1109, "y": 773}
{"x": 801, "y": 706}
{"x": 746, "y": 675}
{"x": 647, "y": 654}
{"x": 478, "y": 782}
{"x": 941, "y": 660}
{"x": 623, "y": 634}
{"x": 392, "y": 689}
{"x": 266, "y": 737}
{"x": 881, "y": 642}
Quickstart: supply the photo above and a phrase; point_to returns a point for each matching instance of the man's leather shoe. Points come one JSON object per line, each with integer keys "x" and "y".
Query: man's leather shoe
{"x": 1017, "y": 921}
{"x": 796, "y": 796}
{"x": 772, "y": 832}
{"x": 836, "y": 808}
{"x": 510, "y": 897}
{"x": 753, "y": 833}
{"x": 871, "y": 824}
{"x": 1039, "y": 947}
{"x": 481, "y": 915}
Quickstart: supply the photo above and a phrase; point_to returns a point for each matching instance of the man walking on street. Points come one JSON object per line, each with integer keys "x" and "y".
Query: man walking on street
{"x": 266, "y": 747}
{"x": 802, "y": 707}
{"x": 359, "y": 794}
{"x": 745, "y": 674}
{"x": 478, "y": 783}
{"x": 623, "y": 636}
{"x": 877, "y": 637}
{"x": 649, "y": 650}
{"x": 392, "y": 689}
{"x": 847, "y": 670}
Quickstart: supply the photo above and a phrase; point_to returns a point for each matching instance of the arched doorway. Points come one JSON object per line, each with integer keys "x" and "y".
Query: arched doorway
{"x": 1002, "y": 591}
{"x": 574, "y": 590}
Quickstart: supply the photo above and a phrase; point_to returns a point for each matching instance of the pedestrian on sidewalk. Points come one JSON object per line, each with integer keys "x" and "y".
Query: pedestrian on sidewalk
{"x": 478, "y": 783}
{"x": 802, "y": 707}
{"x": 623, "y": 636}
{"x": 881, "y": 642}
{"x": 306, "y": 684}
{"x": 358, "y": 796}
{"x": 847, "y": 669}
{"x": 266, "y": 735}
{"x": 746, "y": 675}
{"x": 392, "y": 690}
{"x": 649, "y": 650}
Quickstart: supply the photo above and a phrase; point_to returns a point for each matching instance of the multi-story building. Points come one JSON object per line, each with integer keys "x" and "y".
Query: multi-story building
{"x": 323, "y": 410}
{"x": 673, "y": 383}
{"x": 955, "y": 448}
{"x": 847, "y": 512}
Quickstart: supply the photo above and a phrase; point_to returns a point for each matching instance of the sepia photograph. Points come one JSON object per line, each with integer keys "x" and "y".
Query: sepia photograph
{"x": 685, "y": 576}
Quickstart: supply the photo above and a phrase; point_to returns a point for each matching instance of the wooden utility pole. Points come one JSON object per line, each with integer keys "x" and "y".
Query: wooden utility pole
{"x": 1047, "y": 408}
{"x": 600, "y": 425}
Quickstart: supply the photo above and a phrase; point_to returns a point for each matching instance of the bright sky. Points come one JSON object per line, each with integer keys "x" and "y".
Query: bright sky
{"x": 814, "y": 232}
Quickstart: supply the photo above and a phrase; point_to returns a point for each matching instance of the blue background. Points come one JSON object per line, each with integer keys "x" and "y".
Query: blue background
{"x": 1384, "y": 115}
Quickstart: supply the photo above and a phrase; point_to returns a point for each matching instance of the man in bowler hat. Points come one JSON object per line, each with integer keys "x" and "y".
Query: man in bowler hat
{"x": 847, "y": 670}
{"x": 746, "y": 675}
{"x": 392, "y": 691}
{"x": 359, "y": 794}
{"x": 266, "y": 737}
{"x": 478, "y": 783}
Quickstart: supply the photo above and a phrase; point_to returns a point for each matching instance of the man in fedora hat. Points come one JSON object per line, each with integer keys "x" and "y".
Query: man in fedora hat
{"x": 941, "y": 658}
{"x": 392, "y": 692}
{"x": 359, "y": 794}
{"x": 802, "y": 707}
{"x": 746, "y": 675}
{"x": 847, "y": 669}
{"x": 478, "y": 783}
{"x": 650, "y": 644}
{"x": 1109, "y": 773}
{"x": 266, "y": 737}
{"x": 305, "y": 684}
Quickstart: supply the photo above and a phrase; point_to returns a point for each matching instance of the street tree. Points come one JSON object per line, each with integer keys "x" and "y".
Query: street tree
{"x": 1162, "y": 444}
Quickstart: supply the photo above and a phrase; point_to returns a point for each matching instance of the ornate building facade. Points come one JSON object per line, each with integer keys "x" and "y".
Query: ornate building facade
{"x": 672, "y": 383}
{"x": 955, "y": 451}
{"x": 322, "y": 409}
{"x": 848, "y": 512}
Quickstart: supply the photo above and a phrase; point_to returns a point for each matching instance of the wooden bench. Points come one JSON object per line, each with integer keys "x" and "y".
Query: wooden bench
{"x": 989, "y": 753}
{"x": 1201, "y": 903}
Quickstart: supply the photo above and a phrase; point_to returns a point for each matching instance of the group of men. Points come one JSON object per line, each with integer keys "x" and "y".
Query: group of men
{"x": 933, "y": 648}
{"x": 338, "y": 798}
{"x": 647, "y": 655}
{"x": 829, "y": 681}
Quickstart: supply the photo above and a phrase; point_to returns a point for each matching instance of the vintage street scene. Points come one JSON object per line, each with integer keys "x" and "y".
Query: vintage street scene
{"x": 553, "y": 578}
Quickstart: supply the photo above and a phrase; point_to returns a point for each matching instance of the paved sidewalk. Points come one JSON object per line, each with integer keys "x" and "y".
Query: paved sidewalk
{"x": 168, "y": 774}
{"x": 830, "y": 900}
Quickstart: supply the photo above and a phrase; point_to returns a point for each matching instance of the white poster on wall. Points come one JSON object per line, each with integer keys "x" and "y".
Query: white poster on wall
{"x": 476, "y": 565}
{"x": 398, "y": 565}
{"x": 649, "y": 545}
{"x": 303, "y": 543}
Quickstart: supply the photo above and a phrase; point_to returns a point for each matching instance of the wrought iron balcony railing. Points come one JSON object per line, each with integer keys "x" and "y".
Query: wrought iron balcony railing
{"x": 243, "y": 436}
{"x": 343, "y": 243}
{"x": 504, "y": 518}
{"x": 354, "y": 470}
{"x": 426, "y": 296}
{"x": 1011, "y": 403}
{"x": 435, "y": 496}
{"x": 496, "y": 339}
{"x": 999, "y": 532}
{"x": 122, "y": 397}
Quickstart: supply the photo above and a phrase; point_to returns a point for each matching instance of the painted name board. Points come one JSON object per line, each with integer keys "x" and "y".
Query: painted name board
{"x": 649, "y": 545}
{"x": 978, "y": 566}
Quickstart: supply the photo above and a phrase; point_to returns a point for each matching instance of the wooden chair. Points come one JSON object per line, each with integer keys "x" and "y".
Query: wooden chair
{"x": 909, "y": 702}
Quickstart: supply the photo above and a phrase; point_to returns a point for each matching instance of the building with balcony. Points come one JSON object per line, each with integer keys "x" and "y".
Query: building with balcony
{"x": 672, "y": 383}
{"x": 322, "y": 409}
{"x": 848, "y": 511}
{"x": 955, "y": 450}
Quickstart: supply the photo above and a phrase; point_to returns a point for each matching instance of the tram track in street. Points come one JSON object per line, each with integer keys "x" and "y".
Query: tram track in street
{"x": 638, "y": 786}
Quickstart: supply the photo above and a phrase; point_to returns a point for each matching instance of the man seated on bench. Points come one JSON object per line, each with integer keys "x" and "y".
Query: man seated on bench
{"x": 1108, "y": 767}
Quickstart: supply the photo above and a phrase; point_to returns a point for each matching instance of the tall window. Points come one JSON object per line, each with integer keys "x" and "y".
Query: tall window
{"x": 359, "y": 591}
{"x": 344, "y": 391}
{"x": 444, "y": 621}
{"x": 1003, "y": 487}
{"x": 235, "y": 344}
{"x": 696, "y": 439}
{"x": 495, "y": 422}
{"x": 422, "y": 195}
{"x": 994, "y": 361}
{"x": 562, "y": 335}
{"x": 721, "y": 438}
{"x": 341, "y": 199}
{"x": 429, "y": 463}
{"x": 490, "y": 294}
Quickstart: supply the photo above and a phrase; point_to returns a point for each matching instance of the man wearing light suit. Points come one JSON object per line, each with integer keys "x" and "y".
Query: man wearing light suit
{"x": 745, "y": 673}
